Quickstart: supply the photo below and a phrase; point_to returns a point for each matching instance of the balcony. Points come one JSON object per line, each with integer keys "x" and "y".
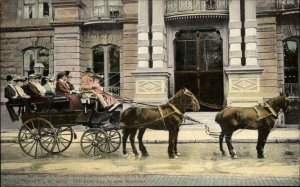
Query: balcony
{"x": 291, "y": 89}
{"x": 108, "y": 9}
{"x": 196, "y": 8}
{"x": 287, "y": 4}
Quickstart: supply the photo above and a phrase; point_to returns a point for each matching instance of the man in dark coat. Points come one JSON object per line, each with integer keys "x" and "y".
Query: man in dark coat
{"x": 16, "y": 95}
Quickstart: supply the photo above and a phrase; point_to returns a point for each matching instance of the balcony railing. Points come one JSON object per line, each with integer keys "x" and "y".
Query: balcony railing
{"x": 287, "y": 4}
{"x": 291, "y": 89}
{"x": 106, "y": 9}
{"x": 178, "y": 6}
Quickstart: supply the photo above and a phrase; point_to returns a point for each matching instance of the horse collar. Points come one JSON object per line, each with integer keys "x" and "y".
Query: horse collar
{"x": 266, "y": 105}
{"x": 176, "y": 109}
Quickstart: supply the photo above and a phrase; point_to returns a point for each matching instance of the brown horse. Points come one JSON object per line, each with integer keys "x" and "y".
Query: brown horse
{"x": 165, "y": 117}
{"x": 261, "y": 117}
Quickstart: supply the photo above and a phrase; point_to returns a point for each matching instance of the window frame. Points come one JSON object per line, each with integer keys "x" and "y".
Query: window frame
{"x": 35, "y": 51}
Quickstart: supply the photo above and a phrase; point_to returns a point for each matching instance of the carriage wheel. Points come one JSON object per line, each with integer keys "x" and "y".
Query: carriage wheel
{"x": 37, "y": 137}
{"x": 64, "y": 138}
{"x": 93, "y": 142}
{"x": 113, "y": 140}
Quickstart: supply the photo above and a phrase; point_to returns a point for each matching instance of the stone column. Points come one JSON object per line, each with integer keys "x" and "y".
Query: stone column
{"x": 151, "y": 84}
{"x": 158, "y": 35}
{"x": 68, "y": 39}
{"x": 235, "y": 39}
{"x": 143, "y": 34}
{"x": 244, "y": 88}
{"x": 250, "y": 33}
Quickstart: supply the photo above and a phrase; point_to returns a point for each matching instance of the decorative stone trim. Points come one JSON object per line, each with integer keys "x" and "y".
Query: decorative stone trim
{"x": 235, "y": 25}
{"x": 250, "y": 53}
{"x": 157, "y": 43}
{"x": 142, "y": 57}
{"x": 235, "y": 54}
{"x": 250, "y": 24}
{"x": 142, "y": 28}
{"x": 157, "y": 28}
{"x": 143, "y": 43}
{"x": 158, "y": 57}
{"x": 250, "y": 39}
{"x": 235, "y": 39}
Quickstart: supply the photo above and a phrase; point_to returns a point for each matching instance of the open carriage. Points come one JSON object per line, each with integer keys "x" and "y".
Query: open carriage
{"x": 51, "y": 132}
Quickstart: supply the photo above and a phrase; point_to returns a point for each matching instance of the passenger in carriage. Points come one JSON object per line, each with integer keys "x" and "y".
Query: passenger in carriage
{"x": 48, "y": 84}
{"x": 62, "y": 89}
{"x": 16, "y": 95}
{"x": 71, "y": 86}
{"x": 90, "y": 82}
{"x": 37, "y": 92}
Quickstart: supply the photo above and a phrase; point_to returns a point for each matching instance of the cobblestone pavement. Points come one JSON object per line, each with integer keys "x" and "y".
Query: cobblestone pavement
{"x": 199, "y": 164}
{"x": 141, "y": 180}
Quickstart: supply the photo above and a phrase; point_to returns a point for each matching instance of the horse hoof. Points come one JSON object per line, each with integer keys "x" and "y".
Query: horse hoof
{"x": 145, "y": 154}
{"x": 178, "y": 154}
{"x": 173, "y": 156}
{"x": 224, "y": 154}
{"x": 125, "y": 155}
{"x": 261, "y": 156}
{"x": 234, "y": 156}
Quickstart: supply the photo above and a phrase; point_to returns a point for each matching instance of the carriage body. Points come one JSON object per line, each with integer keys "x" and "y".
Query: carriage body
{"x": 51, "y": 132}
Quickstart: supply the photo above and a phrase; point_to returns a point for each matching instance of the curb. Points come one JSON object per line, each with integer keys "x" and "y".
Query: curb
{"x": 281, "y": 140}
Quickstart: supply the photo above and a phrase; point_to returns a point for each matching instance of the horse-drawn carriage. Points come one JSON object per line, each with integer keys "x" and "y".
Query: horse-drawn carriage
{"x": 51, "y": 132}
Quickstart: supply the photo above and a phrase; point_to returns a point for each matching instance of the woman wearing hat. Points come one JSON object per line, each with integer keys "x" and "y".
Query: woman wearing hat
{"x": 48, "y": 84}
{"x": 62, "y": 89}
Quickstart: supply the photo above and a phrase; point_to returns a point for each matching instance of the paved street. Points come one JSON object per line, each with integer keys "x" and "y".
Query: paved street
{"x": 199, "y": 164}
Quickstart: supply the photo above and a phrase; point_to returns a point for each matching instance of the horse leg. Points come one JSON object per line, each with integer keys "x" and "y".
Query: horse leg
{"x": 221, "y": 137}
{"x": 175, "y": 145}
{"x": 262, "y": 138}
{"x": 124, "y": 139}
{"x": 131, "y": 138}
{"x": 141, "y": 144}
{"x": 171, "y": 151}
{"x": 229, "y": 145}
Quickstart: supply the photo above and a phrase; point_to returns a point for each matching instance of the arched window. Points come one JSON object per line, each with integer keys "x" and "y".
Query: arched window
{"x": 106, "y": 61}
{"x": 36, "y": 60}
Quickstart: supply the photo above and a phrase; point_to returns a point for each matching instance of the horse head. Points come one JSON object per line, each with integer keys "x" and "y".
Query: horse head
{"x": 191, "y": 101}
{"x": 281, "y": 102}
{"x": 184, "y": 100}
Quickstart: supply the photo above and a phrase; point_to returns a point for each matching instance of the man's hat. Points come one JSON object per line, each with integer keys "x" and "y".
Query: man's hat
{"x": 38, "y": 76}
{"x": 9, "y": 78}
{"x": 18, "y": 78}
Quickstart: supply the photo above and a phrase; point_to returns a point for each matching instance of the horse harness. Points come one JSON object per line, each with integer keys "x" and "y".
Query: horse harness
{"x": 176, "y": 111}
{"x": 266, "y": 107}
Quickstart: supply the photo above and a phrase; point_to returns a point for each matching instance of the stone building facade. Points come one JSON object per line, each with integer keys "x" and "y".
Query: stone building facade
{"x": 228, "y": 52}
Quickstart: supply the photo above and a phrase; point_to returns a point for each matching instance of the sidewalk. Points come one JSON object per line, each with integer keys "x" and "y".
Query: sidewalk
{"x": 189, "y": 135}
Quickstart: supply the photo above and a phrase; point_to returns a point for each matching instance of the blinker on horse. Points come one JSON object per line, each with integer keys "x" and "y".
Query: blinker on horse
{"x": 165, "y": 117}
{"x": 260, "y": 117}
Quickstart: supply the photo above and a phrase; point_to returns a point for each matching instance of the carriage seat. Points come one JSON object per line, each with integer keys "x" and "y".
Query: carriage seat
{"x": 60, "y": 99}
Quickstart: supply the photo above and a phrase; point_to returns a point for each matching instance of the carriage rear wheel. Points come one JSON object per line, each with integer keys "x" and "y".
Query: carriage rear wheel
{"x": 113, "y": 140}
{"x": 37, "y": 137}
{"x": 93, "y": 142}
{"x": 64, "y": 139}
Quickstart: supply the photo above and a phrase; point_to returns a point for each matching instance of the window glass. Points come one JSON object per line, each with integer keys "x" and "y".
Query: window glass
{"x": 98, "y": 60}
{"x": 290, "y": 61}
{"x": 36, "y": 60}
{"x": 114, "y": 66}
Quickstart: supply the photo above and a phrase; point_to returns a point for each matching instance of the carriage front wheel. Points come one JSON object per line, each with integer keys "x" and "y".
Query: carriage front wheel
{"x": 93, "y": 142}
{"x": 37, "y": 137}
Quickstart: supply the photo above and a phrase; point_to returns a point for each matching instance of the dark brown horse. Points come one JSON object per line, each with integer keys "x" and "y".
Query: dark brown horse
{"x": 261, "y": 117}
{"x": 165, "y": 117}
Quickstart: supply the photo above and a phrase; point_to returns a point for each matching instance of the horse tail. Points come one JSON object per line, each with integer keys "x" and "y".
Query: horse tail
{"x": 218, "y": 116}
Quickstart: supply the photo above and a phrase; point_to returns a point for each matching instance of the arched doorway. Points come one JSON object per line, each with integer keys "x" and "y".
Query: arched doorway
{"x": 199, "y": 65}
